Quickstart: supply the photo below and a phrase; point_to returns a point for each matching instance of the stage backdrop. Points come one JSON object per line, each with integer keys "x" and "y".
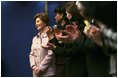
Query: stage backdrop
{"x": 17, "y": 31}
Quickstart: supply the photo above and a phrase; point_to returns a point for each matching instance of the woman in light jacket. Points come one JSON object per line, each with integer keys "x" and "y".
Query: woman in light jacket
{"x": 42, "y": 61}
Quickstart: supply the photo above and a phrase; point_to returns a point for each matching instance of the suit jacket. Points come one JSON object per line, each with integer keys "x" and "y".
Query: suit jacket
{"x": 42, "y": 57}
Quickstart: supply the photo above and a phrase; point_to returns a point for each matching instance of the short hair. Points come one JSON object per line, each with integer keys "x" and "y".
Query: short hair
{"x": 61, "y": 10}
{"x": 43, "y": 16}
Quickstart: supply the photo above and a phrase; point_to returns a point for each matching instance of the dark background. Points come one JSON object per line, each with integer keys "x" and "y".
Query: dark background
{"x": 17, "y": 31}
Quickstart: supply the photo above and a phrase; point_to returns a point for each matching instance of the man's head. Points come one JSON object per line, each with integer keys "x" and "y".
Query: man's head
{"x": 60, "y": 14}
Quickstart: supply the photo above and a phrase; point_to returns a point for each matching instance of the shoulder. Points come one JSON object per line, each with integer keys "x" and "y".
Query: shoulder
{"x": 34, "y": 38}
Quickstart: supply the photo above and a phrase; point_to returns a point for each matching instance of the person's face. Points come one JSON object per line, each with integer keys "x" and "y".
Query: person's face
{"x": 58, "y": 17}
{"x": 39, "y": 24}
{"x": 69, "y": 16}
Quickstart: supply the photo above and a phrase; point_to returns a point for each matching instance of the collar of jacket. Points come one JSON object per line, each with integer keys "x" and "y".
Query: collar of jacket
{"x": 43, "y": 35}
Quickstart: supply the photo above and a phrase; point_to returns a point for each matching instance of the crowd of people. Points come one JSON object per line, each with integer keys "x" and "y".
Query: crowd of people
{"x": 82, "y": 44}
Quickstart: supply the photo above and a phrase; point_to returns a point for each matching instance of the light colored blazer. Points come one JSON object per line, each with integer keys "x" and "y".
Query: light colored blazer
{"x": 41, "y": 57}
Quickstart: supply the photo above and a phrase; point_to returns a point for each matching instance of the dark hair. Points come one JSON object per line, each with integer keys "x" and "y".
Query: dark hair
{"x": 61, "y": 10}
{"x": 43, "y": 17}
{"x": 72, "y": 9}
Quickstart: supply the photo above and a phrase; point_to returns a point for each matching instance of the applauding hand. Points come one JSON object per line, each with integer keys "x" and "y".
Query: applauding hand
{"x": 72, "y": 33}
